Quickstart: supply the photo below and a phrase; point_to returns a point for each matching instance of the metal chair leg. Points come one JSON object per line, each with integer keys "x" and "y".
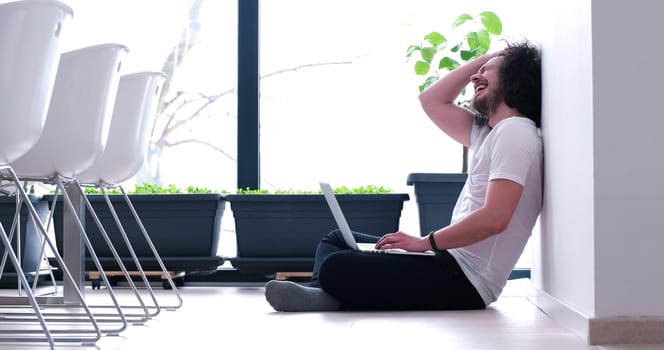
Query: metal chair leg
{"x": 31, "y": 297}
{"x": 109, "y": 243}
{"x": 130, "y": 248}
{"x": 63, "y": 335}
{"x": 152, "y": 248}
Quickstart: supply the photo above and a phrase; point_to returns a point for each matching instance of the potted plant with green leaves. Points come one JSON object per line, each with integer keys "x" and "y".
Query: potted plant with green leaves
{"x": 184, "y": 226}
{"x": 437, "y": 54}
{"x": 279, "y": 231}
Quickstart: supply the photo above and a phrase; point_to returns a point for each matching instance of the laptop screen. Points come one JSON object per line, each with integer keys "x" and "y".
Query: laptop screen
{"x": 338, "y": 215}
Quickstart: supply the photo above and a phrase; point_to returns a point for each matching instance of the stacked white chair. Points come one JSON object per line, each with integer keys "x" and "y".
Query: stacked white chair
{"x": 29, "y": 56}
{"x": 73, "y": 137}
{"x": 126, "y": 148}
{"x": 30, "y": 36}
{"x": 129, "y": 135}
{"x": 79, "y": 114}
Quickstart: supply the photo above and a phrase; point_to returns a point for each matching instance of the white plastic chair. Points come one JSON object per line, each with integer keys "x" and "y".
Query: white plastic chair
{"x": 30, "y": 36}
{"x": 29, "y": 56}
{"x": 74, "y": 136}
{"x": 129, "y": 135}
{"x": 126, "y": 148}
{"x": 79, "y": 115}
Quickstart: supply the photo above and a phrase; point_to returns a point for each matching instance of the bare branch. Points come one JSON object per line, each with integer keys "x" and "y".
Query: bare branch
{"x": 310, "y": 65}
{"x": 181, "y": 142}
{"x": 170, "y": 113}
{"x": 169, "y": 129}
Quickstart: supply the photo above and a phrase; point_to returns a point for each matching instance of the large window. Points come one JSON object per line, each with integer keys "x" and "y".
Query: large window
{"x": 340, "y": 102}
{"x": 338, "y": 99}
{"x": 195, "y": 44}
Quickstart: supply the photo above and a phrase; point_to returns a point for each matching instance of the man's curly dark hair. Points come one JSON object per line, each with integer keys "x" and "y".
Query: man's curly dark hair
{"x": 520, "y": 76}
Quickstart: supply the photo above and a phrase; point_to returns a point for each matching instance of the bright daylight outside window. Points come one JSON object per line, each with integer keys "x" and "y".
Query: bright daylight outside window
{"x": 195, "y": 43}
{"x": 339, "y": 98}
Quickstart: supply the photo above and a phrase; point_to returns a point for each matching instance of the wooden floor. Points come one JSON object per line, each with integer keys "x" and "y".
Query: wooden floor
{"x": 237, "y": 317}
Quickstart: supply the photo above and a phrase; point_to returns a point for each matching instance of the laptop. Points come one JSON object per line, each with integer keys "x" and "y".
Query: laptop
{"x": 348, "y": 234}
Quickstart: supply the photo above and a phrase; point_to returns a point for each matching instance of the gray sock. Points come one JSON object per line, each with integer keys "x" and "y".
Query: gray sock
{"x": 293, "y": 297}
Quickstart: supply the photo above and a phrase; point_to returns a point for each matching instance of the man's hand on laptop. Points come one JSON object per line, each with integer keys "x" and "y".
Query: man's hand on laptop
{"x": 402, "y": 240}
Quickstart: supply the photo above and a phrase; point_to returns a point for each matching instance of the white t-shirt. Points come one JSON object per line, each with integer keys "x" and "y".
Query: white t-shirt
{"x": 512, "y": 150}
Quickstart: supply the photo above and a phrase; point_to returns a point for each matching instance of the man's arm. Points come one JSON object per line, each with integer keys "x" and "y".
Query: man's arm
{"x": 501, "y": 201}
{"x": 438, "y": 101}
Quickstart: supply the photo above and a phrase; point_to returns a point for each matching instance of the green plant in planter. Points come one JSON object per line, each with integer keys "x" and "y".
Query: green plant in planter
{"x": 437, "y": 55}
{"x": 147, "y": 188}
{"x": 368, "y": 189}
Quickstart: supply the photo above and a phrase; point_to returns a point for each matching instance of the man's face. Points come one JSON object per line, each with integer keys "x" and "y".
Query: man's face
{"x": 487, "y": 87}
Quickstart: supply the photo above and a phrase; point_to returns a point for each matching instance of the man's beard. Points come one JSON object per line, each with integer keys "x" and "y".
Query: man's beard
{"x": 488, "y": 103}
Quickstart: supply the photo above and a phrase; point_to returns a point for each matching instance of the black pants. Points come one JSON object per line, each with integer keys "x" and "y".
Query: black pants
{"x": 370, "y": 281}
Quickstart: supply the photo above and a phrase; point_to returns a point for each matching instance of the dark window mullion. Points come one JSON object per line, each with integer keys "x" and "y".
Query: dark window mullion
{"x": 248, "y": 112}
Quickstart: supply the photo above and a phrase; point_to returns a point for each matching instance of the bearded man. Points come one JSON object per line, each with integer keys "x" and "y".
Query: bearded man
{"x": 491, "y": 222}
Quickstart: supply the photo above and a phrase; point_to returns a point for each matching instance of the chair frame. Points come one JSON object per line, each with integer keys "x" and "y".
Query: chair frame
{"x": 14, "y": 313}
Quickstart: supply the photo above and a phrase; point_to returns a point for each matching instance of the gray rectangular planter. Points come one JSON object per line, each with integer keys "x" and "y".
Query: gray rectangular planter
{"x": 184, "y": 228}
{"x": 280, "y": 232}
{"x": 436, "y": 195}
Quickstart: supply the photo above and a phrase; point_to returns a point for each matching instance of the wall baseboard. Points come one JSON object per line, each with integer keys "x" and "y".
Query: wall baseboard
{"x": 563, "y": 314}
{"x": 604, "y": 331}
{"x": 626, "y": 330}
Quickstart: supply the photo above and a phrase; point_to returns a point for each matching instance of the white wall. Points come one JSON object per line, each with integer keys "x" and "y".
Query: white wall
{"x": 600, "y": 247}
{"x": 564, "y": 251}
{"x": 629, "y": 165}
